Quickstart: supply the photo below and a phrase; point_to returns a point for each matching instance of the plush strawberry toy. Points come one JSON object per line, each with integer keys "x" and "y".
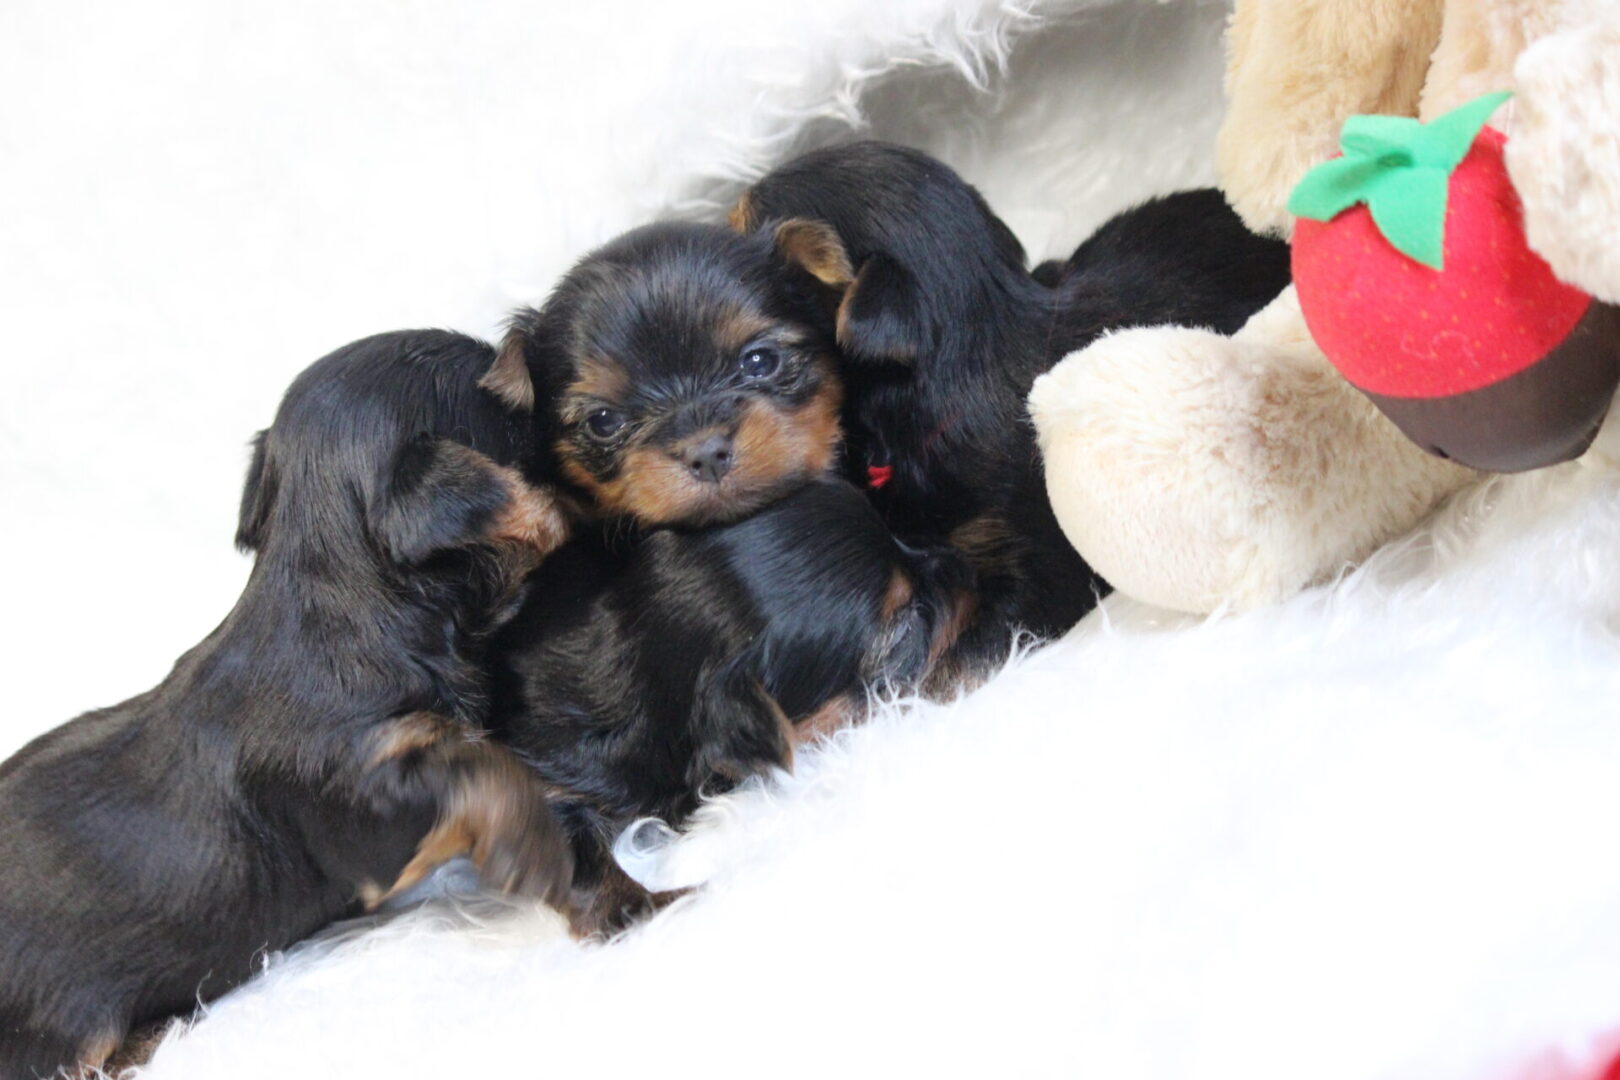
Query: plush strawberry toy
{"x": 1416, "y": 282}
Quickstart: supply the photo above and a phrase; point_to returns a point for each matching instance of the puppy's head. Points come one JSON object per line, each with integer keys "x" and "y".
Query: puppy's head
{"x": 683, "y": 374}
{"x": 931, "y": 259}
{"x": 387, "y": 453}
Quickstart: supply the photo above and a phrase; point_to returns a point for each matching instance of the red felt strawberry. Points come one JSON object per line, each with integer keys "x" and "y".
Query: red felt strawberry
{"x": 1415, "y": 279}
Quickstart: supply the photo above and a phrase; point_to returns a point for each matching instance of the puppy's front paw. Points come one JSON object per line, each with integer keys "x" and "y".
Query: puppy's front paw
{"x": 614, "y": 906}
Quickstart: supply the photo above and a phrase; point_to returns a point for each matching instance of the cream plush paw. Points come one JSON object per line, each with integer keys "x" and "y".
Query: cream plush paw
{"x": 1194, "y": 470}
{"x": 1564, "y": 150}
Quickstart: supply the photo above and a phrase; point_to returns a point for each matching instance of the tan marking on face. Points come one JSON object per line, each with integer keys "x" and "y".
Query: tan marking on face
{"x": 741, "y": 218}
{"x": 738, "y": 328}
{"x": 772, "y": 448}
{"x": 508, "y": 377}
{"x": 815, "y": 246}
{"x": 838, "y": 713}
{"x": 601, "y": 378}
{"x": 651, "y": 486}
{"x": 774, "y": 445}
{"x": 897, "y": 596}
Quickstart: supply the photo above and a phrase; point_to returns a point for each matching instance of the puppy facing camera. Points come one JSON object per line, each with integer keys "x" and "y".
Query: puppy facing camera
{"x": 682, "y": 373}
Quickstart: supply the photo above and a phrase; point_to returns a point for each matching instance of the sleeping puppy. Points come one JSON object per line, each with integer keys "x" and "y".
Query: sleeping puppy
{"x": 683, "y": 374}
{"x": 321, "y": 748}
{"x": 642, "y": 674}
{"x": 942, "y": 330}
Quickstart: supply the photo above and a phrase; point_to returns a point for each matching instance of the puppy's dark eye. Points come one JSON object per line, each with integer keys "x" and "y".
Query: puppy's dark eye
{"x": 603, "y": 424}
{"x": 759, "y": 362}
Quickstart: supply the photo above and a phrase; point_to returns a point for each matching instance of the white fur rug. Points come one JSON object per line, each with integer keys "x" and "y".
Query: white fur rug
{"x": 1367, "y": 834}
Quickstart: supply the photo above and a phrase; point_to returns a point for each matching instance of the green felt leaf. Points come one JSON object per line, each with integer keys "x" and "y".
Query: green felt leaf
{"x": 1447, "y": 140}
{"x": 1401, "y": 169}
{"x": 1379, "y": 136}
{"x": 1402, "y": 207}
{"x": 1332, "y": 188}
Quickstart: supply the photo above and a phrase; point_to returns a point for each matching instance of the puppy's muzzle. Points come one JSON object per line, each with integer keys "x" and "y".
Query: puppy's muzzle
{"x": 707, "y": 455}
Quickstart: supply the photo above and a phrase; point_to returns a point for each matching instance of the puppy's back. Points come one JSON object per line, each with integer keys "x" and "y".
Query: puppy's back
{"x": 1185, "y": 259}
{"x": 117, "y": 834}
{"x": 148, "y": 851}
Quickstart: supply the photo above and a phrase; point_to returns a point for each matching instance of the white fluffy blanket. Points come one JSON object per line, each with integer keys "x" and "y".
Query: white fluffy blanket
{"x": 1367, "y": 834}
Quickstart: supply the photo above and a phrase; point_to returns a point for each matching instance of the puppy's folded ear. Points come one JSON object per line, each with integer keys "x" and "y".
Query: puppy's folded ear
{"x": 881, "y": 317}
{"x": 258, "y": 496}
{"x": 738, "y": 727}
{"x": 439, "y": 496}
{"x": 532, "y": 364}
{"x": 508, "y": 377}
{"x": 815, "y": 246}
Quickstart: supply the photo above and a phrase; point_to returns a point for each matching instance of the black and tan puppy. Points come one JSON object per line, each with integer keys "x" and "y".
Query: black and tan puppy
{"x": 682, "y": 378}
{"x": 320, "y": 748}
{"x": 683, "y": 374}
{"x": 942, "y": 330}
{"x": 643, "y": 673}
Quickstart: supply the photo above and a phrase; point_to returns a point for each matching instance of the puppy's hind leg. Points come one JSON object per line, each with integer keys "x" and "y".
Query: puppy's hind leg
{"x": 138, "y": 1048}
{"x": 488, "y": 805}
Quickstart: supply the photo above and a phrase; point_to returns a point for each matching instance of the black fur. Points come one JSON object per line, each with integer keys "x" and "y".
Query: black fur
{"x": 297, "y": 757}
{"x": 944, "y": 330}
{"x": 653, "y": 329}
{"x": 646, "y": 671}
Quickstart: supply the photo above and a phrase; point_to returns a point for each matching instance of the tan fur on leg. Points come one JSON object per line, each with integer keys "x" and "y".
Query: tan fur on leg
{"x": 491, "y": 807}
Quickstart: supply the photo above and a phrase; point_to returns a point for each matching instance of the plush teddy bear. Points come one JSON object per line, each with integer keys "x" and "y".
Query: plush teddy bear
{"x": 1196, "y": 471}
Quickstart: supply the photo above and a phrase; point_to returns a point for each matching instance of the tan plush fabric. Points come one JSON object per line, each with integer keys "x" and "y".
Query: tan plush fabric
{"x": 1296, "y": 69}
{"x": 1218, "y": 471}
{"x": 1564, "y": 154}
{"x": 1197, "y": 471}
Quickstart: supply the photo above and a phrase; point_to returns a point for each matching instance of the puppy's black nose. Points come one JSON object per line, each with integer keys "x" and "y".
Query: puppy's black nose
{"x": 709, "y": 458}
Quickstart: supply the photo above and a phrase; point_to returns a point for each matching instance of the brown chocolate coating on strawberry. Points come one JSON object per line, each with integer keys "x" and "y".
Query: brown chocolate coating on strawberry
{"x": 1547, "y": 413}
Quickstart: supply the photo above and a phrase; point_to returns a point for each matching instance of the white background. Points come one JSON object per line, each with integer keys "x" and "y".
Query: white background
{"x": 198, "y": 198}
